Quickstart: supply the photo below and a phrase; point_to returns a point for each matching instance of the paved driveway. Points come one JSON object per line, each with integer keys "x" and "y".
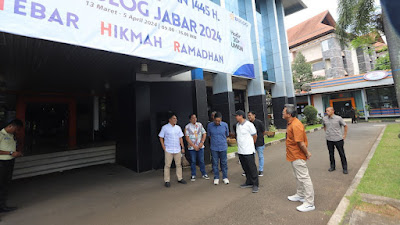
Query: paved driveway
{"x": 113, "y": 195}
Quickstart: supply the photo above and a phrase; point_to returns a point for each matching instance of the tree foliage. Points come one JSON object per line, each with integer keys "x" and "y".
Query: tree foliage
{"x": 302, "y": 72}
{"x": 383, "y": 63}
{"x": 359, "y": 22}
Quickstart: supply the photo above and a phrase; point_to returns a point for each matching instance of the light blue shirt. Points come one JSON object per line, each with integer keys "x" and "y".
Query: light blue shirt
{"x": 171, "y": 135}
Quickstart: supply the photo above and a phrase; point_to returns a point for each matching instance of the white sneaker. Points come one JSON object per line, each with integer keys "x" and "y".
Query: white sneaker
{"x": 216, "y": 181}
{"x": 305, "y": 207}
{"x": 296, "y": 198}
{"x": 226, "y": 181}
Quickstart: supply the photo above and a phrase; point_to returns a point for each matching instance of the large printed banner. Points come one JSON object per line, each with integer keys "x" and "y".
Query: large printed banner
{"x": 196, "y": 33}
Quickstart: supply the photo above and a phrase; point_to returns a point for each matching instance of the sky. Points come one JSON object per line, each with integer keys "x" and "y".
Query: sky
{"x": 314, "y": 7}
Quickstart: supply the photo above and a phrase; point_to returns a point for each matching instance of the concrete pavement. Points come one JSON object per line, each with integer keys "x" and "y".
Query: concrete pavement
{"x": 110, "y": 194}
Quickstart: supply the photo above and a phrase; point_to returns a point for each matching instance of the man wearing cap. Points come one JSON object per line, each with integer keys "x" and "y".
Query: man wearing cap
{"x": 246, "y": 135}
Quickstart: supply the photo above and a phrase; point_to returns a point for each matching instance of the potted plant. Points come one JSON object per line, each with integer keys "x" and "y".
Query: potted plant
{"x": 271, "y": 131}
{"x": 231, "y": 139}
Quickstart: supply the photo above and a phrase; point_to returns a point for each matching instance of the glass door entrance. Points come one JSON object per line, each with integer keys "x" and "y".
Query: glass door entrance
{"x": 343, "y": 108}
{"x": 46, "y": 128}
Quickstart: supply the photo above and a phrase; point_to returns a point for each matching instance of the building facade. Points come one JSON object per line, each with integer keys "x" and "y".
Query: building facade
{"x": 372, "y": 94}
{"x": 83, "y": 106}
{"x": 315, "y": 38}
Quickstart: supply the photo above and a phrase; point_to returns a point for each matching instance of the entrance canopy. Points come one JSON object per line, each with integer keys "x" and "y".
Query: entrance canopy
{"x": 190, "y": 33}
{"x": 28, "y": 63}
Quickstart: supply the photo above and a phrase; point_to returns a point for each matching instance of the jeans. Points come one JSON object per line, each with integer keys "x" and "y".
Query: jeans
{"x": 220, "y": 157}
{"x": 339, "y": 146}
{"x": 6, "y": 171}
{"x": 194, "y": 155}
{"x": 260, "y": 153}
{"x": 250, "y": 168}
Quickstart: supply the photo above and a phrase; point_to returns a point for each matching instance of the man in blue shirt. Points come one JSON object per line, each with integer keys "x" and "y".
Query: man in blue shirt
{"x": 218, "y": 131}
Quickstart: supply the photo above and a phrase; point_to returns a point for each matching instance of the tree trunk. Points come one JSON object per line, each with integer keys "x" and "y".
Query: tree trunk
{"x": 393, "y": 43}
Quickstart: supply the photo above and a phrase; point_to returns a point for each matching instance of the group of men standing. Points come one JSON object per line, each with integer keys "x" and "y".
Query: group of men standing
{"x": 250, "y": 139}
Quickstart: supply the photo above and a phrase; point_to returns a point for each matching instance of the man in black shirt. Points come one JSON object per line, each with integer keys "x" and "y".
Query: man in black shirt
{"x": 260, "y": 144}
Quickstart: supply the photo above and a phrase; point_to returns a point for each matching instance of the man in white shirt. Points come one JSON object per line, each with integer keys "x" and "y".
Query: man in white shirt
{"x": 246, "y": 135}
{"x": 172, "y": 143}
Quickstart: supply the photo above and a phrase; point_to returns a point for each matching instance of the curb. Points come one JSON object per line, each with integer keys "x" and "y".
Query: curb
{"x": 233, "y": 154}
{"x": 340, "y": 211}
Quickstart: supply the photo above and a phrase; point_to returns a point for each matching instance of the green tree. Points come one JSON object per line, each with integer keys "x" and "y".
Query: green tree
{"x": 383, "y": 63}
{"x": 358, "y": 19}
{"x": 302, "y": 72}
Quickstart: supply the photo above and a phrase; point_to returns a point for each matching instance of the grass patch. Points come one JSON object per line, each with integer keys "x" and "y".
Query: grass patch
{"x": 382, "y": 176}
{"x": 266, "y": 139}
{"x": 311, "y": 127}
{"x": 276, "y": 137}
{"x": 232, "y": 149}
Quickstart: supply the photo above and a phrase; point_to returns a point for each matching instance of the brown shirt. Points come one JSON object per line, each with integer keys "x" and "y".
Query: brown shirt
{"x": 295, "y": 133}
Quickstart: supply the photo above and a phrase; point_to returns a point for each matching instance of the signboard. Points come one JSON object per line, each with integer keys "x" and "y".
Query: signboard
{"x": 196, "y": 33}
{"x": 375, "y": 75}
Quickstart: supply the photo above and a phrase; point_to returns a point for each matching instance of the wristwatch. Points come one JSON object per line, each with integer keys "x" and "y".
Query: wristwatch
{"x": 11, "y": 153}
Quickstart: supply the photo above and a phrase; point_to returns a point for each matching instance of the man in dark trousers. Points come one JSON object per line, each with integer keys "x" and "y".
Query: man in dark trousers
{"x": 246, "y": 135}
{"x": 8, "y": 152}
{"x": 260, "y": 143}
{"x": 335, "y": 137}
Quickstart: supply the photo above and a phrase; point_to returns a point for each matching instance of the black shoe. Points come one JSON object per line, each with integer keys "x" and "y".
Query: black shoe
{"x": 167, "y": 184}
{"x": 7, "y": 209}
{"x": 246, "y": 185}
{"x": 255, "y": 189}
{"x": 260, "y": 173}
{"x": 345, "y": 171}
{"x": 331, "y": 169}
{"x": 182, "y": 181}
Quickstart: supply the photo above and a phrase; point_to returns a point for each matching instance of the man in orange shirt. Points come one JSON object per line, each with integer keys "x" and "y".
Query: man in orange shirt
{"x": 297, "y": 153}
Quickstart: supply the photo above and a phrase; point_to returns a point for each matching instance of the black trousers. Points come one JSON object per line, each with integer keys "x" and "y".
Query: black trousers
{"x": 6, "y": 171}
{"x": 250, "y": 168}
{"x": 339, "y": 146}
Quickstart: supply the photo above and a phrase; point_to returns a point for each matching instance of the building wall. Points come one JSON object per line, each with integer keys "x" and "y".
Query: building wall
{"x": 332, "y": 55}
{"x": 318, "y": 104}
{"x": 312, "y": 53}
{"x": 356, "y": 68}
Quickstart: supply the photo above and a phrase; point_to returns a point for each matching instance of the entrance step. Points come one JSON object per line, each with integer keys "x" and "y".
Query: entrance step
{"x": 35, "y": 165}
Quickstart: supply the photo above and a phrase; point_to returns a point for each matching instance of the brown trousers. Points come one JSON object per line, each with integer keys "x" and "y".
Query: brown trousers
{"x": 168, "y": 161}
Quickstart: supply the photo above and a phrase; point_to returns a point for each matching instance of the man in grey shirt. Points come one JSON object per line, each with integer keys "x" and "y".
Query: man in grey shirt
{"x": 335, "y": 138}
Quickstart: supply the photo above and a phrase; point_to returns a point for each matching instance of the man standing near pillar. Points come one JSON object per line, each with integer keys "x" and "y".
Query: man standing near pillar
{"x": 334, "y": 137}
{"x": 8, "y": 153}
{"x": 218, "y": 131}
{"x": 260, "y": 143}
{"x": 297, "y": 153}
{"x": 172, "y": 143}
{"x": 195, "y": 136}
{"x": 246, "y": 135}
